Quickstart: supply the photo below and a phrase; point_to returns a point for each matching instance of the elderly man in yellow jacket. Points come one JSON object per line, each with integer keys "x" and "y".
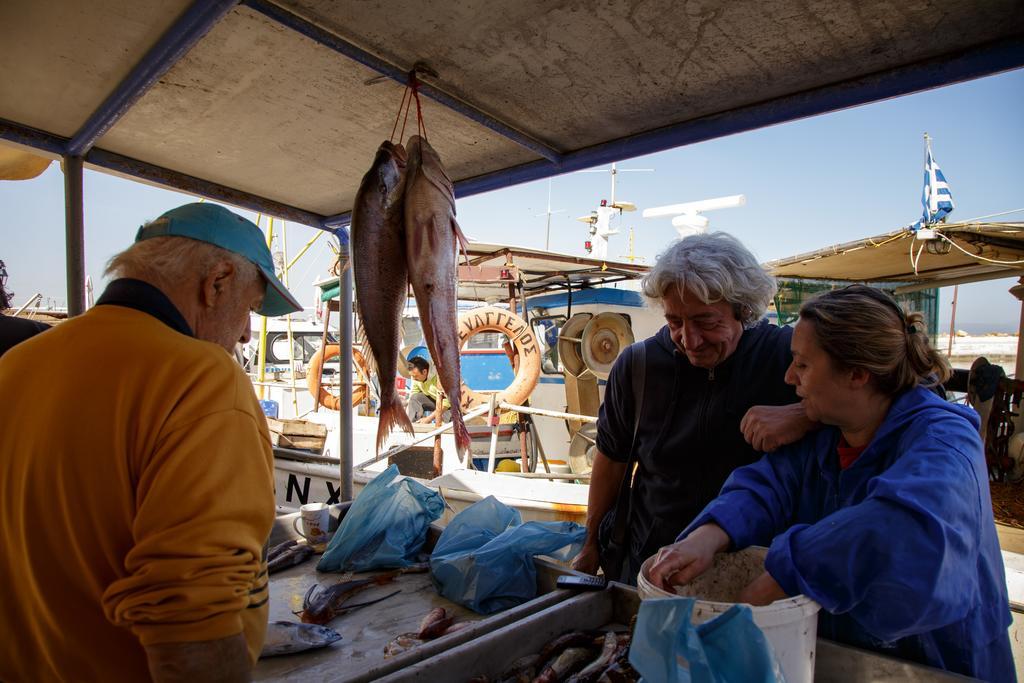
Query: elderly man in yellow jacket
{"x": 136, "y": 469}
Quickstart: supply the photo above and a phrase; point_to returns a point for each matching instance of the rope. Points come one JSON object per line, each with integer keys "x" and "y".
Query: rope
{"x": 981, "y": 258}
{"x": 405, "y": 94}
{"x": 411, "y": 92}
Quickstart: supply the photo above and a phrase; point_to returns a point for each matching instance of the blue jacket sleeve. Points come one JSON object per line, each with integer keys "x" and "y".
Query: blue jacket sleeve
{"x": 912, "y": 541}
{"x": 757, "y": 501}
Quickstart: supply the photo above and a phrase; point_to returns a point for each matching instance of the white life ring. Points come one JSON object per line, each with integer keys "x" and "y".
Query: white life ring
{"x": 492, "y": 319}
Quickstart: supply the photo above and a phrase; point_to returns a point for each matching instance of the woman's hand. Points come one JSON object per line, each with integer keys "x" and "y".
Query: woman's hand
{"x": 682, "y": 562}
{"x": 763, "y": 590}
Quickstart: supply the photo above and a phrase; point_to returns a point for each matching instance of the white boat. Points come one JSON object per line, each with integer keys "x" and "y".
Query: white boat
{"x": 561, "y": 292}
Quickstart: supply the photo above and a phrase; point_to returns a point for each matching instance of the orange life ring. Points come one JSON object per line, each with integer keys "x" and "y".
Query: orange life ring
{"x": 315, "y": 371}
{"x": 493, "y": 319}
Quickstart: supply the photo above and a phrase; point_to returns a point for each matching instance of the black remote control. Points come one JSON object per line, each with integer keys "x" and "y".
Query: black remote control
{"x": 585, "y": 583}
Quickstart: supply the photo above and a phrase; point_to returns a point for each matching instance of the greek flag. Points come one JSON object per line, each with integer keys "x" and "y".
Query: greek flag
{"x": 937, "y": 200}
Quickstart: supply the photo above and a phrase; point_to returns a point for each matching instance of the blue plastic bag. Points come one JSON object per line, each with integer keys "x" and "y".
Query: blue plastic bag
{"x": 668, "y": 648}
{"x": 484, "y": 558}
{"x": 386, "y": 526}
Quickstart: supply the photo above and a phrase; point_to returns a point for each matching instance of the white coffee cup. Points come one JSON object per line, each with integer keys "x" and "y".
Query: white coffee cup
{"x": 315, "y": 518}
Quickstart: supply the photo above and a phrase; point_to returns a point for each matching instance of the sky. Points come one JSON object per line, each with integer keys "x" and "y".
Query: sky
{"x": 808, "y": 184}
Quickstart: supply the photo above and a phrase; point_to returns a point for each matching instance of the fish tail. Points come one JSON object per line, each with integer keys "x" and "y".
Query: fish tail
{"x": 462, "y": 439}
{"x": 392, "y": 416}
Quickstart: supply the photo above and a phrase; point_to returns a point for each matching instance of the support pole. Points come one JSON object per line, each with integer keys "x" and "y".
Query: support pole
{"x": 74, "y": 235}
{"x": 438, "y": 454}
{"x": 493, "y": 421}
{"x": 1018, "y": 291}
{"x": 952, "y": 321}
{"x": 345, "y": 404}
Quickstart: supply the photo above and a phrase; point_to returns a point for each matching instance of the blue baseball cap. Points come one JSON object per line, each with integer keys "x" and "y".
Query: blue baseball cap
{"x": 216, "y": 225}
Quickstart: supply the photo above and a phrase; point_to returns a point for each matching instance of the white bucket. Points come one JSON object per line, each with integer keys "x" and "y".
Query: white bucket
{"x": 790, "y": 625}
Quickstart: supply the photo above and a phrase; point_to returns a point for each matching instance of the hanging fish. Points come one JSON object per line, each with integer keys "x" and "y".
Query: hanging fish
{"x": 432, "y": 239}
{"x": 379, "y": 266}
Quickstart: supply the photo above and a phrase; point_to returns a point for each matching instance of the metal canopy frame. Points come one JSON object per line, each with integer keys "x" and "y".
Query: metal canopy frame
{"x": 202, "y": 15}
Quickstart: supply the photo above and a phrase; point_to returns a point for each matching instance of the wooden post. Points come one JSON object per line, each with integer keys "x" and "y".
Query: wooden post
{"x": 952, "y": 322}
{"x": 524, "y": 462}
{"x": 1018, "y": 291}
{"x": 438, "y": 451}
{"x": 492, "y": 419}
{"x": 323, "y": 349}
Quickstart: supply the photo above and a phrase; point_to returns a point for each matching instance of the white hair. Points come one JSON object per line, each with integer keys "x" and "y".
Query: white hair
{"x": 172, "y": 258}
{"x": 713, "y": 267}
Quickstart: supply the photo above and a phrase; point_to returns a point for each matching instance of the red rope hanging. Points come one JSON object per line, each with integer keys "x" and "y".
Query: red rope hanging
{"x": 412, "y": 91}
{"x": 404, "y": 105}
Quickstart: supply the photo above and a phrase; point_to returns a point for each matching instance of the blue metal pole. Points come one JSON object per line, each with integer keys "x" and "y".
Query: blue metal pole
{"x": 345, "y": 409}
{"x": 327, "y": 39}
{"x": 37, "y": 139}
{"x": 74, "y": 235}
{"x": 179, "y": 39}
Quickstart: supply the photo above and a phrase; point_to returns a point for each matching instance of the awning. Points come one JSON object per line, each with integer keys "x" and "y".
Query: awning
{"x": 959, "y": 253}
{"x": 536, "y": 271}
{"x": 279, "y": 106}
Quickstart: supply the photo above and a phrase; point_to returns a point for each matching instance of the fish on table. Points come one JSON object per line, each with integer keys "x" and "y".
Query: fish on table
{"x": 432, "y": 239}
{"x": 380, "y": 270}
{"x": 321, "y": 604}
{"x": 289, "y": 637}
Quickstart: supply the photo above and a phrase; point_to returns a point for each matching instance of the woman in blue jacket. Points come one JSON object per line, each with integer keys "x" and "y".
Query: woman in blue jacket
{"x": 883, "y": 516}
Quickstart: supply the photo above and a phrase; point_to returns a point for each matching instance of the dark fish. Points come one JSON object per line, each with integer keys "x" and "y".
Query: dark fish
{"x": 432, "y": 239}
{"x": 290, "y": 557}
{"x": 378, "y": 249}
{"x": 435, "y": 623}
{"x": 286, "y": 637}
{"x": 570, "y": 639}
{"x": 592, "y": 671}
{"x": 322, "y": 604}
{"x": 565, "y": 664}
{"x": 522, "y": 670}
{"x": 280, "y": 548}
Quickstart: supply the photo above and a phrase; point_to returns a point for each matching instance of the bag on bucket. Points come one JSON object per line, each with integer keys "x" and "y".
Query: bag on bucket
{"x": 386, "y": 526}
{"x": 484, "y": 558}
{"x": 668, "y": 648}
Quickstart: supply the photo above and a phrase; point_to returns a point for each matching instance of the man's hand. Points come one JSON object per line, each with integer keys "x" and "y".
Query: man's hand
{"x": 588, "y": 560}
{"x": 226, "y": 659}
{"x": 682, "y": 562}
{"x": 763, "y": 590}
{"x": 767, "y": 428}
{"x": 425, "y": 420}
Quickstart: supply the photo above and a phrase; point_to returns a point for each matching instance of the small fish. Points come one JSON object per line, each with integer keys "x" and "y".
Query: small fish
{"x": 286, "y": 637}
{"x": 565, "y": 664}
{"x": 566, "y": 640}
{"x": 280, "y": 548}
{"x": 401, "y": 643}
{"x": 592, "y": 671}
{"x": 321, "y": 604}
{"x": 522, "y": 670}
{"x": 291, "y": 557}
{"x": 455, "y": 628}
{"x": 435, "y": 623}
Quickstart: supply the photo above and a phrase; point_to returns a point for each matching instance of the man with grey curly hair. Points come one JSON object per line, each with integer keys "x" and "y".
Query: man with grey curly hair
{"x": 704, "y": 396}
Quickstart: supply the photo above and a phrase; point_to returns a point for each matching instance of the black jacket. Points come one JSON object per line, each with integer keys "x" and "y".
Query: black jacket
{"x": 688, "y": 439}
{"x": 16, "y": 330}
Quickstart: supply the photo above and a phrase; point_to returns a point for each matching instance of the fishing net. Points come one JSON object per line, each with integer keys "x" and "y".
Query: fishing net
{"x": 793, "y": 293}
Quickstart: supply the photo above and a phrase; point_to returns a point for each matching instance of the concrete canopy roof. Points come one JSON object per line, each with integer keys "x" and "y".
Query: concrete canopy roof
{"x": 961, "y": 253}
{"x": 260, "y": 112}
